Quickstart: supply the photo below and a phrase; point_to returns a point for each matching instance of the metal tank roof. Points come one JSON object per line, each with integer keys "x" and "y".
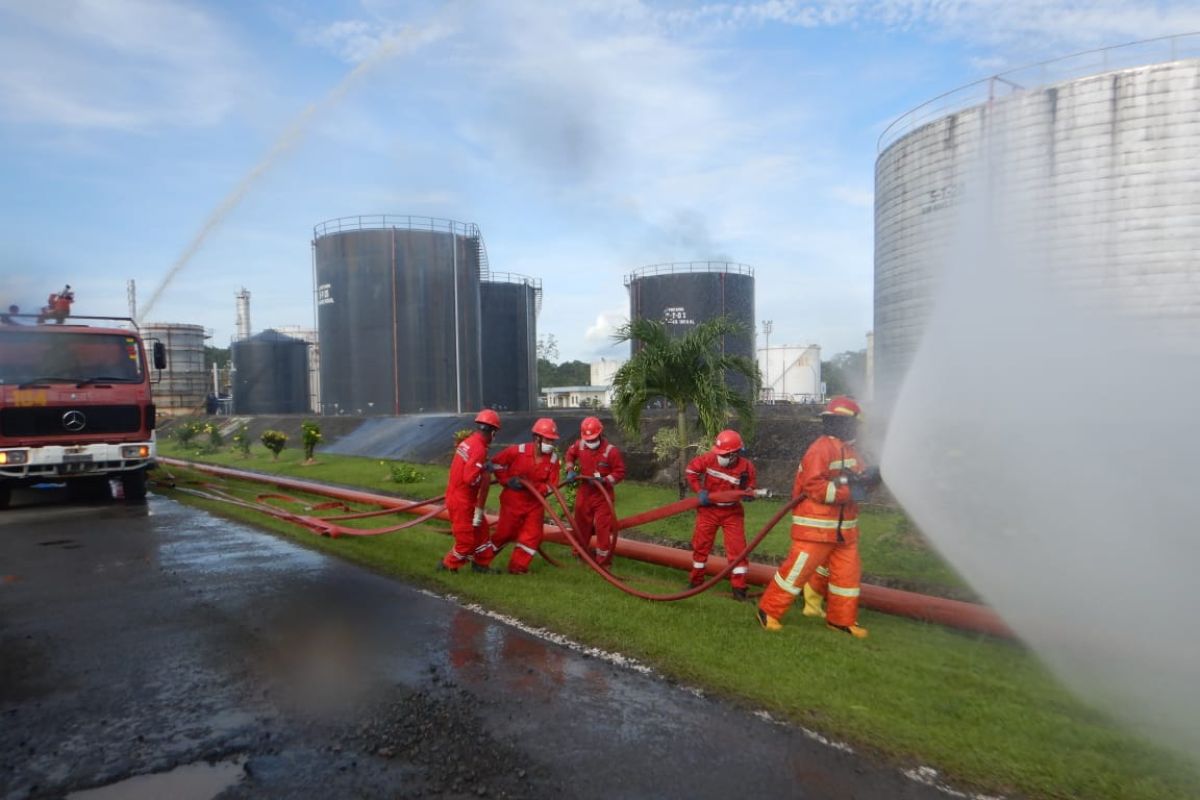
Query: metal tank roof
{"x": 681, "y": 267}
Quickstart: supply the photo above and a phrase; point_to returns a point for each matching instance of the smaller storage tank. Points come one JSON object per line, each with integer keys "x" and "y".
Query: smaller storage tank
{"x": 509, "y": 305}
{"x": 184, "y": 384}
{"x": 791, "y": 373}
{"x": 270, "y": 375}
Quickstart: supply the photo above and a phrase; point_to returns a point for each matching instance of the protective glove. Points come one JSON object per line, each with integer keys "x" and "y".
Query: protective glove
{"x": 870, "y": 476}
{"x": 514, "y": 483}
{"x": 744, "y": 480}
{"x": 704, "y": 498}
{"x": 572, "y": 475}
{"x": 490, "y": 466}
{"x": 477, "y": 519}
{"x": 749, "y": 498}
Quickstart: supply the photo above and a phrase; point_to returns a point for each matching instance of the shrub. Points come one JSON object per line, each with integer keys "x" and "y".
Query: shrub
{"x": 405, "y": 473}
{"x": 215, "y": 440}
{"x": 187, "y": 432}
{"x": 312, "y": 436}
{"x": 241, "y": 440}
{"x": 274, "y": 441}
{"x": 459, "y": 435}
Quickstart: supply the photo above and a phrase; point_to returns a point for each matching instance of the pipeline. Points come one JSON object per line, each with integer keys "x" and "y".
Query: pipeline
{"x": 942, "y": 611}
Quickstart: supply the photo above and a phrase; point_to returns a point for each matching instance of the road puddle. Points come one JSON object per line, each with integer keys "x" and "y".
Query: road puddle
{"x": 199, "y": 781}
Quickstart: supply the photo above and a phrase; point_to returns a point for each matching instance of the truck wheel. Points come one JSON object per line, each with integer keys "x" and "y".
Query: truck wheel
{"x": 5, "y": 495}
{"x": 134, "y": 484}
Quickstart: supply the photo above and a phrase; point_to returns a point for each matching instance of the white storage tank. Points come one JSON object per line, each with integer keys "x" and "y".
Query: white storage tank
{"x": 1103, "y": 144}
{"x": 791, "y": 373}
{"x": 184, "y": 384}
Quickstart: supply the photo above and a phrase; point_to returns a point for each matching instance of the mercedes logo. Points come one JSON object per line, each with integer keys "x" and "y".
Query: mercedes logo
{"x": 74, "y": 421}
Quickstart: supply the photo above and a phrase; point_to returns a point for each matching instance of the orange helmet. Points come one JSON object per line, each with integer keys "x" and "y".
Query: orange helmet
{"x": 546, "y": 428}
{"x": 488, "y": 417}
{"x": 591, "y": 428}
{"x": 842, "y": 406}
{"x": 727, "y": 442}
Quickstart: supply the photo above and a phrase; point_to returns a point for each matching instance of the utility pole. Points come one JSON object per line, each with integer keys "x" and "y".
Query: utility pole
{"x": 767, "y": 325}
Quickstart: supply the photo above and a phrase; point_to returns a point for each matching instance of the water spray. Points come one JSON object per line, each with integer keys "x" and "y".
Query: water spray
{"x": 405, "y": 42}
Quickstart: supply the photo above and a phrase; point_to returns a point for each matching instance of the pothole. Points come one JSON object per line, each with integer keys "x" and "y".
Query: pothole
{"x": 198, "y": 781}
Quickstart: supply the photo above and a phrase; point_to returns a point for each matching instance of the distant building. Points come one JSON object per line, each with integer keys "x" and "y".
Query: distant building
{"x": 576, "y": 397}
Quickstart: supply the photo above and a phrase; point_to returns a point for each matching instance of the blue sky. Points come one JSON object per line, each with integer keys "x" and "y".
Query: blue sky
{"x": 585, "y": 139}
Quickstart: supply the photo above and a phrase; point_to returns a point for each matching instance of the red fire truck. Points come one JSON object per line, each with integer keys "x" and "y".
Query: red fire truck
{"x": 76, "y": 405}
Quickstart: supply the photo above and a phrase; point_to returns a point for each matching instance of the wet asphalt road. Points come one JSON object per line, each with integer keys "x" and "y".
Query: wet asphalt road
{"x": 136, "y": 640}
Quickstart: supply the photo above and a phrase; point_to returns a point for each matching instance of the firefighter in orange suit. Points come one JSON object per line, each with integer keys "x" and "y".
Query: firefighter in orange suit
{"x": 521, "y": 513}
{"x": 468, "y": 477}
{"x": 832, "y": 479}
{"x": 602, "y": 467}
{"x": 722, "y": 469}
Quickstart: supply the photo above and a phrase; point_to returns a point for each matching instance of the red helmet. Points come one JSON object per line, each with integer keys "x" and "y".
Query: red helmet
{"x": 843, "y": 406}
{"x": 546, "y": 428}
{"x": 488, "y": 417}
{"x": 727, "y": 442}
{"x": 591, "y": 428}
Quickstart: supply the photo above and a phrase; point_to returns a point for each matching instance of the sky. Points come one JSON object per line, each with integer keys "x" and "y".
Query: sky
{"x": 585, "y": 139}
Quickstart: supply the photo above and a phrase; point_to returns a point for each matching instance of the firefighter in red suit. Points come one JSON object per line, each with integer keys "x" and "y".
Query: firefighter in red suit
{"x": 521, "y": 513}
{"x": 832, "y": 478}
{"x": 468, "y": 479}
{"x": 722, "y": 469}
{"x": 600, "y": 465}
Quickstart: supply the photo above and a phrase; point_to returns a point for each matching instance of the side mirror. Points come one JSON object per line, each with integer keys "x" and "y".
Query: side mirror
{"x": 160, "y": 355}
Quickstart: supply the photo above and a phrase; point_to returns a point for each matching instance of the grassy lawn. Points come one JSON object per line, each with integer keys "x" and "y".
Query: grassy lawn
{"x": 982, "y": 711}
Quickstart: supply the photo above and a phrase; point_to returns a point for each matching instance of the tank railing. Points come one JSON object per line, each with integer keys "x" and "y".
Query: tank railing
{"x": 1032, "y": 77}
{"x": 518, "y": 278}
{"x": 689, "y": 266}
{"x": 366, "y": 222}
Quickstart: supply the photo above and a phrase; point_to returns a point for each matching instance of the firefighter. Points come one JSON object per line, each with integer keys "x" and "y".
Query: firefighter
{"x": 468, "y": 479}
{"x": 832, "y": 478}
{"x": 600, "y": 464}
{"x": 722, "y": 469}
{"x": 521, "y": 513}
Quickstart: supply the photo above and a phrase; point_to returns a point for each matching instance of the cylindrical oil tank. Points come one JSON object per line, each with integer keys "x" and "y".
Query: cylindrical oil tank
{"x": 309, "y": 336}
{"x": 509, "y": 304}
{"x": 686, "y": 294}
{"x": 184, "y": 384}
{"x": 791, "y": 373}
{"x": 1109, "y": 152}
{"x": 398, "y": 314}
{"x": 270, "y": 374}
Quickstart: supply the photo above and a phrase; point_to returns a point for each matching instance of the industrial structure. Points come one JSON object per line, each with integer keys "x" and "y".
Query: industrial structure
{"x": 685, "y": 294}
{"x": 309, "y": 337}
{"x": 509, "y": 306}
{"x": 791, "y": 374}
{"x": 184, "y": 384}
{"x": 398, "y": 314}
{"x": 270, "y": 374}
{"x": 1103, "y": 143}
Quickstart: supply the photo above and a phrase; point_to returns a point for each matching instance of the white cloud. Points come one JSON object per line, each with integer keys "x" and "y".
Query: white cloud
{"x": 129, "y": 65}
{"x": 606, "y": 323}
{"x": 856, "y": 196}
{"x": 356, "y": 40}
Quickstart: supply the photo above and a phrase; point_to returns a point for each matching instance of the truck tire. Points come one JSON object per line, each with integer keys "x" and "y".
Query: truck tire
{"x": 134, "y": 484}
{"x": 5, "y": 495}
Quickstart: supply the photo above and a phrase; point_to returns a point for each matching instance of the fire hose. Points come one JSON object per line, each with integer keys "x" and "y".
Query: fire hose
{"x": 927, "y": 608}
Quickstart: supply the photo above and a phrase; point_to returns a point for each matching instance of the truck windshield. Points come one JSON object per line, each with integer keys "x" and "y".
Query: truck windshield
{"x": 41, "y": 357}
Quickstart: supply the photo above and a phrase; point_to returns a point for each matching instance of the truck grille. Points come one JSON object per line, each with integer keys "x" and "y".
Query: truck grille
{"x": 55, "y": 421}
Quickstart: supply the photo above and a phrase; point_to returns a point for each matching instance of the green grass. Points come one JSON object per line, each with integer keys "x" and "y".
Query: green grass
{"x": 982, "y": 711}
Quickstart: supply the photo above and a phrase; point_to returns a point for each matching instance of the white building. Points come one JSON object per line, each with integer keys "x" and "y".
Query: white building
{"x": 576, "y": 397}
{"x": 791, "y": 374}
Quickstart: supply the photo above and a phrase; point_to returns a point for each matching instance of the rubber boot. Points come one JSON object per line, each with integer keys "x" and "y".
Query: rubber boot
{"x": 482, "y": 569}
{"x": 814, "y": 602}
{"x": 853, "y": 630}
{"x": 768, "y": 622}
{"x": 739, "y": 594}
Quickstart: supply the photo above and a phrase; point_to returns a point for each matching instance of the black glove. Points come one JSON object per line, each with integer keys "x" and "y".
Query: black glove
{"x": 744, "y": 480}
{"x": 514, "y": 483}
{"x": 869, "y": 477}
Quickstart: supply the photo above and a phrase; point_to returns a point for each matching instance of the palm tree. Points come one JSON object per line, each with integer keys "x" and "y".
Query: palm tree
{"x": 684, "y": 371}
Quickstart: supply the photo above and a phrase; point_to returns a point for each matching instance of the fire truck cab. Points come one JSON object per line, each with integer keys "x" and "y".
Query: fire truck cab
{"x": 76, "y": 406}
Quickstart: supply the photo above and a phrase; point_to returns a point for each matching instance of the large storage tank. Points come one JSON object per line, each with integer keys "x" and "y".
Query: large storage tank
{"x": 184, "y": 384}
{"x": 398, "y": 314}
{"x": 685, "y": 294}
{"x": 309, "y": 337}
{"x": 510, "y": 304}
{"x": 270, "y": 374}
{"x": 1108, "y": 153}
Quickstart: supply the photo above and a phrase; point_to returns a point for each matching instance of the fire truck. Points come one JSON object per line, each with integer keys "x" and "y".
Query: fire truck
{"x": 76, "y": 404}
